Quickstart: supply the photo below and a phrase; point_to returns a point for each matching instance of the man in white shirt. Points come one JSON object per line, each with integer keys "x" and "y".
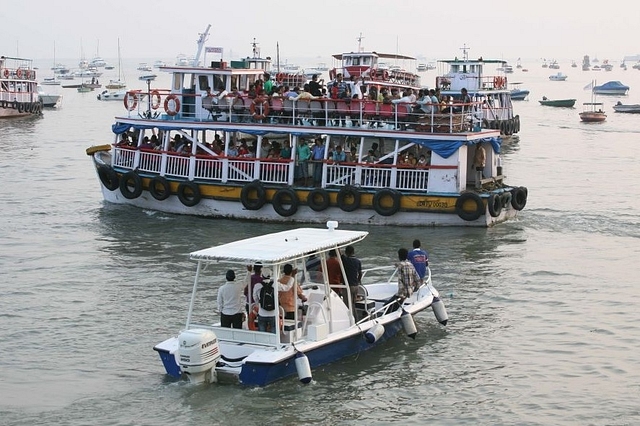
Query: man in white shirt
{"x": 231, "y": 302}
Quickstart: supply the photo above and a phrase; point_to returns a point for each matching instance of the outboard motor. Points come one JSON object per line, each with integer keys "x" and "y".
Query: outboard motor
{"x": 199, "y": 352}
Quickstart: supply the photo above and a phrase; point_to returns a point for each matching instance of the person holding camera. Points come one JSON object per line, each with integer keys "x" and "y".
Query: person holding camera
{"x": 231, "y": 301}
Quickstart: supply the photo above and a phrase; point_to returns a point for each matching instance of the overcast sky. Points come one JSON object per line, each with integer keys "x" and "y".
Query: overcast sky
{"x": 162, "y": 29}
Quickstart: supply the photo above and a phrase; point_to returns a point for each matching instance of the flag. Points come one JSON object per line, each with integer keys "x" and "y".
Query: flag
{"x": 589, "y": 86}
{"x": 213, "y": 49}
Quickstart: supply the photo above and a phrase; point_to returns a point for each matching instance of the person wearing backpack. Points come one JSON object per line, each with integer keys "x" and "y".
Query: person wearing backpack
{"x": 265, "y": 293}
{"x": 231, "y": 301}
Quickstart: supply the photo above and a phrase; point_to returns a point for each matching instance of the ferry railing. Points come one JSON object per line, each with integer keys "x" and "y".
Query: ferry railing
{"x": 280, "y": 172}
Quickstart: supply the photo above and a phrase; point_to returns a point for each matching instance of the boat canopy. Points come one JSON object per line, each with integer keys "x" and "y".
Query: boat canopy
{"x": 444, "y": 148}
{"x": 279, "y": 247}
{"x": 340, "y": 56}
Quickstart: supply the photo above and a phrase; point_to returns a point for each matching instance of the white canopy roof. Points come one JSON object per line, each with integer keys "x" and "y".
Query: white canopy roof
{"x": 280, "y": 246}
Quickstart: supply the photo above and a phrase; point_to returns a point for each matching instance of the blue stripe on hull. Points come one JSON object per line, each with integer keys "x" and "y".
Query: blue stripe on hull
{"x": 256, "y": 374}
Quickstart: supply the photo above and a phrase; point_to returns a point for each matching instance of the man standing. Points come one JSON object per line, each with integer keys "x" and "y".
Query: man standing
{"x": 408, "y": 278}
{"x": 419, "y": 259}
{"x": 353, "y": 270}
{"x": 231, "y": 302}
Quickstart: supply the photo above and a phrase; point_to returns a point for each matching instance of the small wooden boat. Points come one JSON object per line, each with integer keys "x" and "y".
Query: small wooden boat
{"x": 563, "y": 103}
{"x": 593, "y": 113}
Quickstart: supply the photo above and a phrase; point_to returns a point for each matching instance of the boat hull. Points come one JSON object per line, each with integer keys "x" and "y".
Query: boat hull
{"x": 224, "y": 201}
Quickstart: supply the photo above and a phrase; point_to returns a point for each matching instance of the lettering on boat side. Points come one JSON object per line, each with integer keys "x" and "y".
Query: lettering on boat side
{"x": 433, "y": 204}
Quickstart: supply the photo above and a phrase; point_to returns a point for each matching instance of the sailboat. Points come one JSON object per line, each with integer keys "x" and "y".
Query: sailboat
{"x": 593, "y": 112}
{"x": 116, "y": 89}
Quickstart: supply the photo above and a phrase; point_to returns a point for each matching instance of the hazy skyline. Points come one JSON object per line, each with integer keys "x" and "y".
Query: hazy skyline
{"x": 163, "y": 29}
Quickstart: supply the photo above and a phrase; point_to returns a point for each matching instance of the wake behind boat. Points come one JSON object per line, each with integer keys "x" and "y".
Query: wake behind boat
{"x": 326, "y": 330}
{"x": 224, "y": 149}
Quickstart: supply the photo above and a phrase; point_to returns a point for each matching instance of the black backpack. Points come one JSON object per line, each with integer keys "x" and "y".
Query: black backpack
{"x": 267, "y": 296}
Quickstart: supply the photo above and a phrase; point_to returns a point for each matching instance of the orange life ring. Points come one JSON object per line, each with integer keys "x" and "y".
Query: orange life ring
{"x": 134, "y": 97}
{"x": 280, "y": 77}
{"x": 19, "y": 73}
{"x": 498, "y": 82}
{"x": 373, "y": 73}
{"x": 385, "y": 75}
{"x": 253, "y": 317}
{"x": 28, "y": 74}
{"x": 265, "y": 108}
{"x": 176, "y": 105}
{"x": 155, "y": 99}
{"x": 6, "y": 73}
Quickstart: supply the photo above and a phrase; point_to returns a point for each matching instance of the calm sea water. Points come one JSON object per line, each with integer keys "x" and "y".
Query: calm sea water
{"x": 544, "y": 310}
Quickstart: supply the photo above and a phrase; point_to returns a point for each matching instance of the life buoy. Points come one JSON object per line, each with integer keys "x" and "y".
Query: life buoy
{"x": 280, "y": 77}
{"x": 346, "y": 193}
{"x": 373, "y": 73}
{"x": 385, "y": 75}
{"x": 247, "y": 193}
{"x": 189, "y": 193}
{"x": 108, "y": 177}
{"x": 318, "y": 199}
{"x": 27, "y": 74}
{"x": 252, "y": 321}
{"x": 261, "y": 104}
{"x": 6, "y": 73}
{"x": 379, "y": 201}
{"x": 519, "y": 197}
{"x": 134, "y": 100}
{"x": 159, "y": 188}
{"x": 19, "y": 73}
{"x": 461, "y": 206}
{"x": 131, "y": 185}
{"x": 284, "y": 197}
{"x": 494, "y": 203}
{"x": 155, "y": 99}
{"x": 506, "y": 199}
{"x": 172, "y": 105}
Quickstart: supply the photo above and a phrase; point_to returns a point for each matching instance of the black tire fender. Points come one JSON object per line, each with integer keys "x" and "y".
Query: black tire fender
{"x": 284, "y": 197}
{"x": 131, "y": 185}
{"x": 343, "y": 197}
{"x": 261, "y": 195}
{"x": 189, "y": 193}
{"x": 519, "y": 197}
{"x": 494, "y": 203}
{"x": 108, "y": 177}
{"x": 378, "y": 200}
{"x": 318, "y": 199}
{"x": 463, "y": 200}
{"x": 159, "y": 188}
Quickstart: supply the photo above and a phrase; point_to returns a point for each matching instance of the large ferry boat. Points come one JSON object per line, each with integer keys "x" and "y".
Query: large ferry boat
{"x": 18, "y": 88}
{"x": 240, "y": 154}
{"x": 488, "y": 90}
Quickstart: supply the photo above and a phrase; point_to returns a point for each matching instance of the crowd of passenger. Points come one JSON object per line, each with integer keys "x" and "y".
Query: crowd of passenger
{"x": 308, "y": 151}
{"x": 417, "y": 102}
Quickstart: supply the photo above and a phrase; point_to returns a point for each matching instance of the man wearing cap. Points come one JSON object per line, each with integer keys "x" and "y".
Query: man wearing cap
{"x": 231, "y": 301}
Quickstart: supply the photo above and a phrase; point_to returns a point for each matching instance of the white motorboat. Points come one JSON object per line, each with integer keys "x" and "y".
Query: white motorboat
{"x": 323, "y": 331}
{"x": 628, "y": 108}
{"x": 49, "y": 100}
{"x": 559, "y": 76}
{"x": 112, "y": 95}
